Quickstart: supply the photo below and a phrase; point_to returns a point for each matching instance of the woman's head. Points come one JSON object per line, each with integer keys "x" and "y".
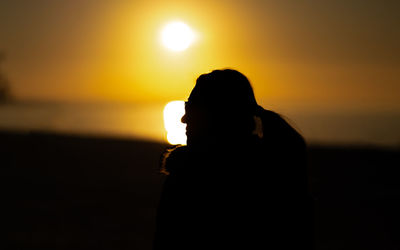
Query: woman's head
{"x": 220, "y": 106}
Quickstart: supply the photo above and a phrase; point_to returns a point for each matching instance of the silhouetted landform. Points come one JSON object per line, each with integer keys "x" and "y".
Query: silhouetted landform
{"x": 5, "y": 93}
{"x": 76, "y": 192}
{"x": 4, "y": 90}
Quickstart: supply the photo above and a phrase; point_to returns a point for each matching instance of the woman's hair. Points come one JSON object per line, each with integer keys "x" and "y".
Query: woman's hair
{"x": 226, "y": 96}
{"x": 225, "y": 89}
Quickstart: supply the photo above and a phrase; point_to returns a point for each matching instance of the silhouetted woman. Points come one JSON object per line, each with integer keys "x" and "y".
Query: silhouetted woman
{"x": 241, "y": 181}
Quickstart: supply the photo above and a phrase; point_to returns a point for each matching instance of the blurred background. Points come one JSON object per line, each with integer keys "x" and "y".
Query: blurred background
{"x": 83, "y": 86}
{"x": 331, "y": 67}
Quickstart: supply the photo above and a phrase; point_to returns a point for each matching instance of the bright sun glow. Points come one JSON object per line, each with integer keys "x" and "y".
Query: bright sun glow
{"x": 177, "y": 36}
{"x": 176, "y": 130}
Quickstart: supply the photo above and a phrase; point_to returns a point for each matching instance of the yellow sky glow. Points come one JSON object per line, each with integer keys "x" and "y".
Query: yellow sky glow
{"x": 113, "y": 53}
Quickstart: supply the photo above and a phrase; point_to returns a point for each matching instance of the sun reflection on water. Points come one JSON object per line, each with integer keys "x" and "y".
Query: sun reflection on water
{"x": 176, "y": 130}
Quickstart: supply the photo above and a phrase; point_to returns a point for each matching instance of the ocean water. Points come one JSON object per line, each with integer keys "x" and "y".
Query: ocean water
{"x": 123, "y": 120}
{"x": 380, "y": 128}
{"x": 145, "y": 121}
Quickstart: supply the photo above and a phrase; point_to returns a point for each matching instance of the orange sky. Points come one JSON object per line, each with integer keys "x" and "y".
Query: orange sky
{"x": 313, "y": 55}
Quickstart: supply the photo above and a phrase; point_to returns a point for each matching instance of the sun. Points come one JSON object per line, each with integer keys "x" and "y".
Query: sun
{"x": 176, "y": 130}
{"x": 177, "y": 36}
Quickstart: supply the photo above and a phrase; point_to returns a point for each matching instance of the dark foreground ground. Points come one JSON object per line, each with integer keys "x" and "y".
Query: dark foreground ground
{"x": 71, "y": 192}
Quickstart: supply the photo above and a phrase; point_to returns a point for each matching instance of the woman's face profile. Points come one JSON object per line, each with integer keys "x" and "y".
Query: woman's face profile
{"x": 199, "y": 125}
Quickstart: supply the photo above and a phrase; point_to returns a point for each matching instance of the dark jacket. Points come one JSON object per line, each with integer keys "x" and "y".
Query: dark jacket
{"x": 250, "y": 194}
